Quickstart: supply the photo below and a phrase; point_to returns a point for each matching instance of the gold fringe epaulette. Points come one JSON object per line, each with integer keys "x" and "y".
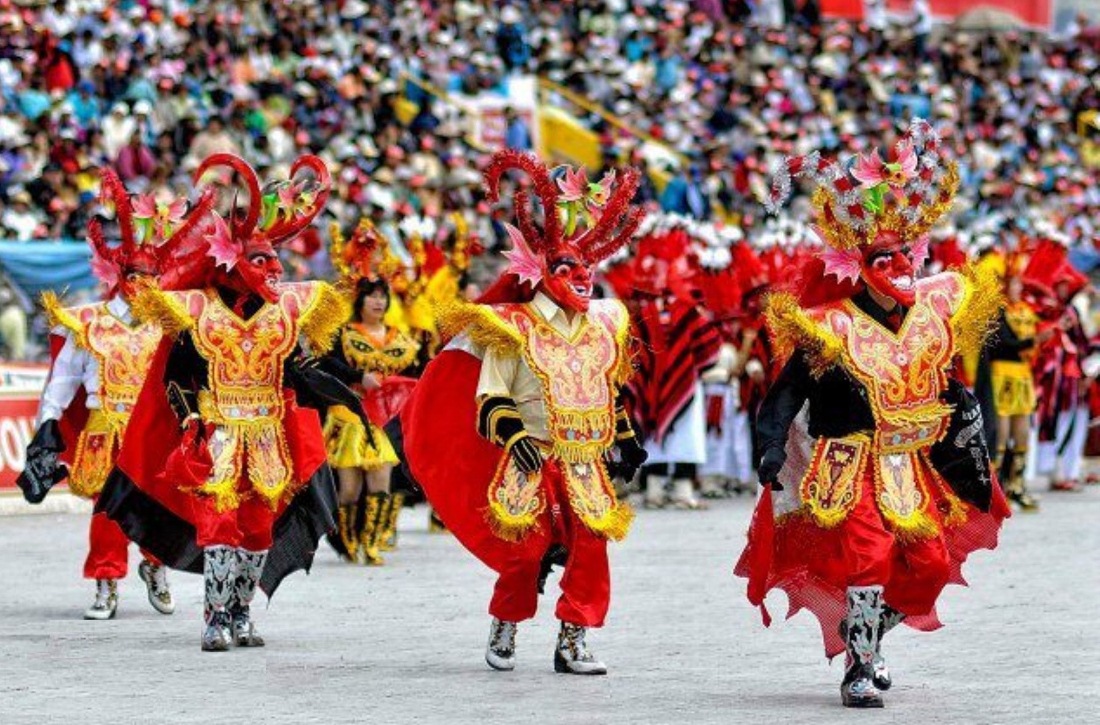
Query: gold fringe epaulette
{"x": 624, "y": 369}
{"x": 327, "y": 312}
{"x": 163, "y": 308}
{"x": 975, "y": 319}
{"x": 58, "y": 316}
{"x": 794, "y": 329}
{"x": 481, "y": 324}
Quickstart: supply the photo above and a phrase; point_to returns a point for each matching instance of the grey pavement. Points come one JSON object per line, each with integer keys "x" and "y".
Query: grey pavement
{"x": 404, "y": 643}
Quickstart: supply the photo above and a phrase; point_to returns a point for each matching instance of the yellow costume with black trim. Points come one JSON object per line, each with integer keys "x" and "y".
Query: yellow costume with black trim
{"x": 1013, "y": 385}
{"x": 122, "y": 353}
{"x": 346, "y": 437}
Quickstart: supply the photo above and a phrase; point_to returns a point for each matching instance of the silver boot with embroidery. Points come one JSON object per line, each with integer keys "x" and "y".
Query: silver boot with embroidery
{"x": 217, "y": 574}
{"x": 571, "y": 656}
{"x": 500, "y": 654}
{"x": 862, "y": 628}
{"x": 156, "y": 582}
{"x": 250, "y": 565}
{"x": 890, "y": 619}
{"x": 106, "y": 600}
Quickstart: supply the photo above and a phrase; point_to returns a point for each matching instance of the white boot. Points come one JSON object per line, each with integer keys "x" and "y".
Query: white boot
{"x": 500, "y": 654}
{"x": 571, "y": 656}
{"x": 156, "y": 582}
{"x": 683, "y": 495}
{"x": 655, "y": 491}
{"x": 106, "y": 600}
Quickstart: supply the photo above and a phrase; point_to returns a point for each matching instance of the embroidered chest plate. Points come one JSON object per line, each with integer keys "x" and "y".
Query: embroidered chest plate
{"x": 903, "y": 373}
{"x": 123, "y": 354}
{"x": 576, "y": 377}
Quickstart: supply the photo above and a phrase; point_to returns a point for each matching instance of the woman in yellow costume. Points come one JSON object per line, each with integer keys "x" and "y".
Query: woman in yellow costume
{"x": 369, "y": 357}
{"x": 1013, "y": 390}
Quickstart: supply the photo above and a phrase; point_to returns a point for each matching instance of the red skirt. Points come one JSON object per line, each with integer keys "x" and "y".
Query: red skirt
{"x": 816, "y": 565}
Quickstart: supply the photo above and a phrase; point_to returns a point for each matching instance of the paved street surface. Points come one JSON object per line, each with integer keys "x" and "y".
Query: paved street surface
{"x": 404, "y": 643}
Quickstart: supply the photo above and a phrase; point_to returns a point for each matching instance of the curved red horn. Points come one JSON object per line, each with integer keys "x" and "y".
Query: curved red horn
{"x": 545, "y": 189}
{"x": 617, "y": 207}
{"x": 241, "y": 229}
{"x": 112, "y": 188}
{"x": 283, "y": 230}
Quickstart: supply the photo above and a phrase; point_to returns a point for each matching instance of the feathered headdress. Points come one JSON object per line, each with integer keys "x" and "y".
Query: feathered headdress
{"x": 274, "y": 214}
{"x": 353, "y": 257}
{"x": 147, "y": 229}
{"x": 858, "y": 199}
{"x": 593, "y": 217}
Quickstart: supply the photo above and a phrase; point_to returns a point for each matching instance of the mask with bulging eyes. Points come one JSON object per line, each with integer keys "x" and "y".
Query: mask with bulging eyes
{"x": 568, "y": 279}
{"x": 259, "y": 272}
{"x": 888, "y": 269}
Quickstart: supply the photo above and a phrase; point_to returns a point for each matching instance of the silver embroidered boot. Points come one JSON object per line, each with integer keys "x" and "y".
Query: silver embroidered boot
{"x": 500, "y": 654}
{"x": 106, "y": 600}
{"x": 156, "y": 582}
{"x": 890, "y": 619}
{"x": 249, "y": 567}
{"x": 217, "y": 575}
{"x": 571, "y": 656}
{"x": 863, "y": 625}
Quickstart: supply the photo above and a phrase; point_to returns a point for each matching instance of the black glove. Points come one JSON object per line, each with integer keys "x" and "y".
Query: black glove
{"x": 770, "y": 465}
{"x": 526, "y": 454}
{"x": 43, "y": 468}
{"x": 498, "y": 421}
{"x": 632, "y": 455}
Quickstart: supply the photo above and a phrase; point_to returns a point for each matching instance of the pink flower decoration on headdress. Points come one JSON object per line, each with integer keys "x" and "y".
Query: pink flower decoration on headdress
{"x": 573, "y": 184}
{"x": 844, "y": 264}
{"x": 163, "y": 218}
{"x": 105, "y": 270}
{"x": 223, "y": 248}
{"x": 522, "y": 262}
{"x": 872, "y": 170}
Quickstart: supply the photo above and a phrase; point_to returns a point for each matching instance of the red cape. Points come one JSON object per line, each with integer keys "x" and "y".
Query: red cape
{"x": 446, "y": 456}
{"x": 153, "y": 432}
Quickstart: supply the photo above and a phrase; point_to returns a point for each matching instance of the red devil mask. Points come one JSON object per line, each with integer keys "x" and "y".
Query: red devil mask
{"x": 889, "y": 269}
{"x": 241, "y": 252}
{"x": 146, "y": 227}
{"x": 583, "y": 224}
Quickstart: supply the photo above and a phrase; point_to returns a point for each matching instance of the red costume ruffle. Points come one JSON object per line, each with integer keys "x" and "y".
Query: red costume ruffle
{"x": 808, "y": 563}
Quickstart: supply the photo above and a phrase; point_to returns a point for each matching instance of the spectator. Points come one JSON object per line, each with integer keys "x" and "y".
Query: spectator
{"x": 20, "y": 220}
{"x": 517, "y": 136}
{"x": 13, "y": 326}
{"x": 136, "y": 160}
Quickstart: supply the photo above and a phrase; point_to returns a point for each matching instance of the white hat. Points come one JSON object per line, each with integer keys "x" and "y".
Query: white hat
{"x": 509, "y": 15}
{"x": 142, "y": 108}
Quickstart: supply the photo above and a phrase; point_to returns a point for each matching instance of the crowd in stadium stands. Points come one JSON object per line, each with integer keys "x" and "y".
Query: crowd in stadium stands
{"x": 152, "y": 86}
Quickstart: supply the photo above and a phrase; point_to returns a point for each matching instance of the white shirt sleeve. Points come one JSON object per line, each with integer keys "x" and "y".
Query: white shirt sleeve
{"x": 72, "y": 368}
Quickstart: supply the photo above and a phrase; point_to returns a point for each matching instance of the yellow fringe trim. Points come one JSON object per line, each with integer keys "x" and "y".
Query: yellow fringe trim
{"x": 615, "y": 524}
{"x": 975, "y": 319}
{"x": 327, "y": 312}
{"x": 483, "y": 326}
{"x": 794, "y": 329}
{"x": 224, "y": 493}
{"x": 624, "y": 368}
{"x": 163, "y": 308}
{"x": 59, "y": 316}
{"x": 507, "y": 527}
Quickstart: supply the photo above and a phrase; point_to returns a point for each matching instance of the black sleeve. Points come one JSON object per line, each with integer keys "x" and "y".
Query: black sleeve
{"x": 1006, "y": 344}
{"x": 336, "y": 364}
{"x": 185, "y": 374}
{"x": 780, "y": 407}
{"x": 314, "y": 387}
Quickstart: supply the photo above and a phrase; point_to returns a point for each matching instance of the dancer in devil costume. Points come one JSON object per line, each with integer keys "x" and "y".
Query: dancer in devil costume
{"x": 100, "y": 357}
{"x": 864, "y": 520}
{"x": 370, "y": 357}
{"x": 226, "y": 471}
{"x": 509, "y": 429}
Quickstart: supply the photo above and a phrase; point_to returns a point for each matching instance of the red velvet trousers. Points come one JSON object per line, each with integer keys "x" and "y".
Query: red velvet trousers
{"x": 248, "y": 526}
{"x": 586, "y": 582}
{"x": 108, "y": 550}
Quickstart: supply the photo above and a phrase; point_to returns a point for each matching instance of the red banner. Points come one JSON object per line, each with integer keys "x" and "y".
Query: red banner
{"x": 1037, "y": 13}
{"x": 17, "y": 414}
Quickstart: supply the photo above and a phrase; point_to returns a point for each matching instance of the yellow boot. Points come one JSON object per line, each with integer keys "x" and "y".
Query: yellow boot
{"x": 373, "y": 524}
{"x": 346, "y": 514}
{"x": 393, "y": 512}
